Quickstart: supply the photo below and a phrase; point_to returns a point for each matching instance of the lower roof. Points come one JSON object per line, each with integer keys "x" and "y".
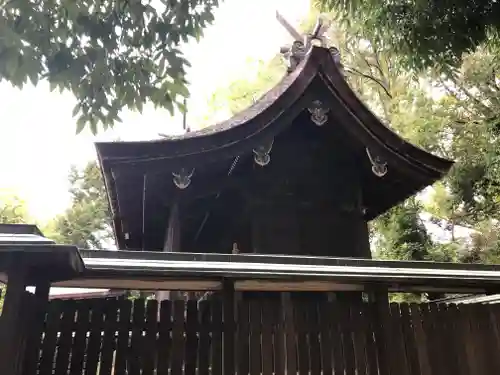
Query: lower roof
{"x": 189, "y": 271}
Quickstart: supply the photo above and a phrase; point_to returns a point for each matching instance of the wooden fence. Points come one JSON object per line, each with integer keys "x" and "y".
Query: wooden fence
{"x": 125, "y": 337}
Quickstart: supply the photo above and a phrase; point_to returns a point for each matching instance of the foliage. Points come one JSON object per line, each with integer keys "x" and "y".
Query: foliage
{"x": 87, "y": 222}
{"x": 110, "y": 54}
{"x": 402, "y": 233}
{"x": 422, "y": 33}
{"x": 13, "y": 210}
{"x": 242, "y": 93}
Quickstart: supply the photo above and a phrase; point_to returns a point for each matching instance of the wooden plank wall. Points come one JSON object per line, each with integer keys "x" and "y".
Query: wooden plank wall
{"x": 124, "y": 337}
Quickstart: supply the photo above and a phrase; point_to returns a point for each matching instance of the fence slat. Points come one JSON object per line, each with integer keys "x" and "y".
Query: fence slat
{"x": 191, "y": 337}
{"x": 150, "y": 345}
{"x": 301, "y": 328}
{"x": 346, "y": 327}
{"x": 65, "y": 337}
{"x": 359, "y": 338}
{"x": 313, "y": 333}
{"x": 397, "y": 343}
{"x": 410, "y": 345}
{"x": 50, "y": 338}
{"x": 267, "y": 336}
{"x": 205, "y": 314}
{"x": 79, "y": 348}
{"x": 255, "y": 337}
{"x": 457, "y": 340}
{"x": 164, "y": 339}
{"x": 290, "y": 337}
{"x": 178, "y": 337}
{"x": 278, "y": 336}
{"x": 367, "y": 325}
{"x": 325, "y": 338}
{"x": 109, "y": 339}
{"x": 123, "y": 341}
{"x": 336, "y": 335}
{"x": 94, "y": 340}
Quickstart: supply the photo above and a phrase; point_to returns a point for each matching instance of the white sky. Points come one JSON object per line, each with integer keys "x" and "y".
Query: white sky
{"x": 37, "y": 132}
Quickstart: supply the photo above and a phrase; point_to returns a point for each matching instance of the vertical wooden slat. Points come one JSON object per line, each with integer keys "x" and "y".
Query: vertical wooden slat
{"x": 410, "y": 345}
{"x": 65, "y": 337}
{"x": 217, "y": 336}
{"x": 50, "y": 338}
{"x": 255, "y": 337}
{"x": 468, "y": 339}
{"x": 325, "y": 337}
{"x": 447, "y": 358}
{"x": 439, "y": 335}
{"x": 136, "y": 340}
{"x": 123, "y": 341}
{"x": 313, "y": 333}
{"x": 490, "y": 354}
{"x": 178, "y": 337}
{"x": 82, "y": 326}
{"x": 267, "y": 338}
{"x": 243, "y": 338}
{"x": 493, "y": 318}
{"x": 430, "y": 343}
{"x": 164, "y": 340}
{"x": 205, "y": 313}
{"x": 359, "y": 338}
{"x": 109, "y": 339}
{"x": 336, "y": 335}
{"x": 458, "y": 342}
{"x": 478, "y": 338}
{"x": 290, "y": 337}
{"x": 150, "y": 347}
{"x": 346, "y": 328}
{"x": 278, "y": 337}
{"x": 302, "y": 342}
{"x": 371, "y": 349}
{"x": 398, "y": 345}
{"x": 420, "y": 339}
{"x": 229, "y": 327}
{"x": 380, "y": 312}
{"x": 191, "y": 337}
{"x": 94, "y": 340}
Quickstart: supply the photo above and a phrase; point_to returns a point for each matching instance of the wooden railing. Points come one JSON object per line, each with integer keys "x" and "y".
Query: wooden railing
{"x": 264, "y": 336}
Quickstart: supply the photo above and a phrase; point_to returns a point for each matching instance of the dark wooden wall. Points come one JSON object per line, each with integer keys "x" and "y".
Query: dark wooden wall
{"x": 308, "y": 200}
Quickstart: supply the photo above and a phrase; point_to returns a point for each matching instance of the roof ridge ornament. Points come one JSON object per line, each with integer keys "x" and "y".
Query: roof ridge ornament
{"x": 302, "y": 43}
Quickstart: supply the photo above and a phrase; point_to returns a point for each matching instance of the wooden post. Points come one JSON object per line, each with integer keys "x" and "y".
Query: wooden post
{"x": 36, "y": 327}
{"x": 229, "y": 327}
{"x": 12, "y": 324}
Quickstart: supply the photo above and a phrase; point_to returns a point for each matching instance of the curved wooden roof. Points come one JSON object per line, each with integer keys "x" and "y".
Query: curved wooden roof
{"x": 266, "y": 118}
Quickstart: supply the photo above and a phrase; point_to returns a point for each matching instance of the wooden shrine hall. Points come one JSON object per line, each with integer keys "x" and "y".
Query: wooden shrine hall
{"x": 273, "y": 203}
{"x": 301, "y": 171}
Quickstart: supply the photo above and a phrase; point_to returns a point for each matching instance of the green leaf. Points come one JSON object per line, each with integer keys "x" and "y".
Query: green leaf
{"x": 76, "y": 109}
{"x": 80, "y": 124}
{"x": 93, "y": 124}
{"x": 139, "y": 104}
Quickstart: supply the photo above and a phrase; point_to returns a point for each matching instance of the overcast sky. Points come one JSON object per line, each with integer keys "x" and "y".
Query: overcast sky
{"x": 37, "y": 132}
